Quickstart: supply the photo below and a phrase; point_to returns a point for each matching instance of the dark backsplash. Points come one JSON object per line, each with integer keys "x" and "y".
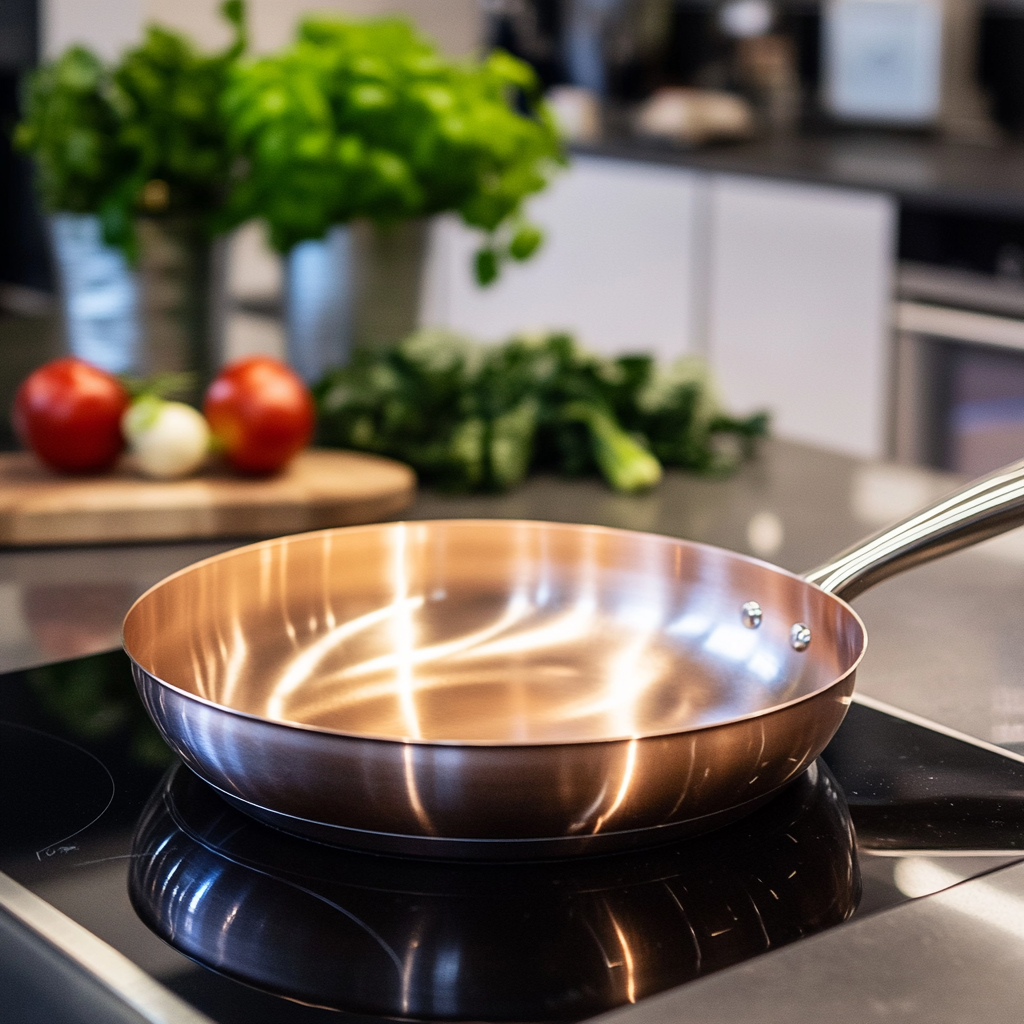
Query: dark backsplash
{"x": 691, "y": 50}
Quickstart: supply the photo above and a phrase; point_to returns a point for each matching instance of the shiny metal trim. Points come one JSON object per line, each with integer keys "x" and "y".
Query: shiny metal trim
{"x": 983, "y": 508}
{"x": 98, "y": 959}
{"x": 960, "y": 325}
{"x": 929, "y": 854}
{"x": 927, "y": 723}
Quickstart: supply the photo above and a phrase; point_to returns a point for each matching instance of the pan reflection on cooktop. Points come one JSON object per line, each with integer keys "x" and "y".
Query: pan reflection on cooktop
{"x": 518, "y": 942}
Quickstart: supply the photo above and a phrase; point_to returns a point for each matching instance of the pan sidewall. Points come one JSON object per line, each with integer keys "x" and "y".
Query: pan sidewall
{"x": 444, "y": 791}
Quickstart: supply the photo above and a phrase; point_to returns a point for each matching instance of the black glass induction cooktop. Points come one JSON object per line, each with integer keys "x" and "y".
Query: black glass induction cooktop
{"x": 249, "y": 924}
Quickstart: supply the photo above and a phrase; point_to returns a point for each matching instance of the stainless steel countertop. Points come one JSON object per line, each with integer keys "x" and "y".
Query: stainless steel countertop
{"x": 946, "y": 642}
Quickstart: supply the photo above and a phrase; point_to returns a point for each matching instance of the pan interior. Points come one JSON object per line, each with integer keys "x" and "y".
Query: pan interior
{"x": 489, "y": 632}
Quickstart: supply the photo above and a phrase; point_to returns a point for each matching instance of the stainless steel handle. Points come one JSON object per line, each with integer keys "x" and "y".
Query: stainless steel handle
{"x": 982, "y": 509}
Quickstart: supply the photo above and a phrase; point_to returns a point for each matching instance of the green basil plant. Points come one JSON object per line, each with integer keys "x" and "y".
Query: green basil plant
{"x": 71, "y": 129}
{"x": 368, "y": 120}
{"x": 145, "y": 136}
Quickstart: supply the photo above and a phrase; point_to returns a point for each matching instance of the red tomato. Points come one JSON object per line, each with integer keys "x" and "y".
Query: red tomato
{"x": 69, "y": 413}
{"x": 260, "y": 412}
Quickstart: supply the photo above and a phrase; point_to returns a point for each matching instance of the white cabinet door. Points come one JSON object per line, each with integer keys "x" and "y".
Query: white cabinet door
{"x": 799, "y": 308}
{"x": 617, "y": 266}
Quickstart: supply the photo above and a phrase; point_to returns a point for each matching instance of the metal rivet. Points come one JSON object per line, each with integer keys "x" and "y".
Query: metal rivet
{"x": 751, "y": 613}
{"x": 800, "y": 636}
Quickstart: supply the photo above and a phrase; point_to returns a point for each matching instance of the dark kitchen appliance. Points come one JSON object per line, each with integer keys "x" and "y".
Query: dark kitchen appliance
{"x": 959, "y": 368}
{"x": 25, "y": 271}
{"x": 100, "y": 823}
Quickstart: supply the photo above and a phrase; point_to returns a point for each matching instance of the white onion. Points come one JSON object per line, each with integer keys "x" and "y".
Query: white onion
{"x": 168, "y": 439}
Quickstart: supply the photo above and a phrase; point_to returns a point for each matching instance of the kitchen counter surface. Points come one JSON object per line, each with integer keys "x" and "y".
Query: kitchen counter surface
{"x": 979, "y": 179}
{"x": 946, "y": 642}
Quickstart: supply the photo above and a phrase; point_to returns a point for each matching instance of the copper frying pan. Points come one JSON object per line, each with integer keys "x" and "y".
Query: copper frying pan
{"x": 515, "y": 689}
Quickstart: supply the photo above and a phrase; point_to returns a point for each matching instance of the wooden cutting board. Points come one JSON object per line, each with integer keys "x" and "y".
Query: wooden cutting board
{"x": 318, "y": 489}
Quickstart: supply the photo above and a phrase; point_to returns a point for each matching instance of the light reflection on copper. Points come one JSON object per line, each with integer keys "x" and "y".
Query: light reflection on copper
{"x": 557, "y": 644}
{"x": 573, "y": 625}
{"x": 200, "y": 670}
{"x": 690, "y": 624}
{"x": 467, "y": 646}
{"x": 303, "y": 666}
{"x": 413, "y": 792}
{"x": 627, "y": 957}
{"x": 282, "y": 590}
{"x": 325, "y": 584}
{"x": 266, "y": 564}
{"x": 234, "y": 662}
{"x": 403, "y": 632}
{"x": 731, "y": 641}
{"x": 764, "y": 665}
{"x": 627, "y": 778}
{"x": 635, "y": 666}
{"x": 633, "y": 670}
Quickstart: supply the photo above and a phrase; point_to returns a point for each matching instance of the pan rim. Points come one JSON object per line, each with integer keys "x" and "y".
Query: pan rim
{"x": 497, "y": 744}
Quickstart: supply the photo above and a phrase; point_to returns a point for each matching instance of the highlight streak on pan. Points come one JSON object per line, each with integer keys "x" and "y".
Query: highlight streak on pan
{"x": 404, "y": 636}
{"x": 403, "y": 631}
{"x": 627, "y": 956}
{"x": 627, "y": 778}
{"x": 396, "y": 660}
{"x": 302, "y": 667}
{"x": 412, "y": 789}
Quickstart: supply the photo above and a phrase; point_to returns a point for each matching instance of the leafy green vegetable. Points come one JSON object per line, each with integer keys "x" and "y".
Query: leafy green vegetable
{"x": 170, "y": 384}
{"x": 469, "y": 417}
{"x": 367, "y": 119}
{"x": 355, "y": 120}
{"x": 146, "y": 136}
{"x": 623, "y": 461}
{"x": 169, "y": 101}
{"x": 71, "y": 129}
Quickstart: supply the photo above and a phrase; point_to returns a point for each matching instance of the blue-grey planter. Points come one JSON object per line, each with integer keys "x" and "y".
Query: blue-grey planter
{"x": 318, "y": 306}
{"x": 360, "y": 285}
{"x": 99, "y": 294}
{"x": 165, "y": 315}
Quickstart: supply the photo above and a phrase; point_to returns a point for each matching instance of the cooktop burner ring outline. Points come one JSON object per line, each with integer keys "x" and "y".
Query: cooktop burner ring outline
{"x": 50, "y": 737}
